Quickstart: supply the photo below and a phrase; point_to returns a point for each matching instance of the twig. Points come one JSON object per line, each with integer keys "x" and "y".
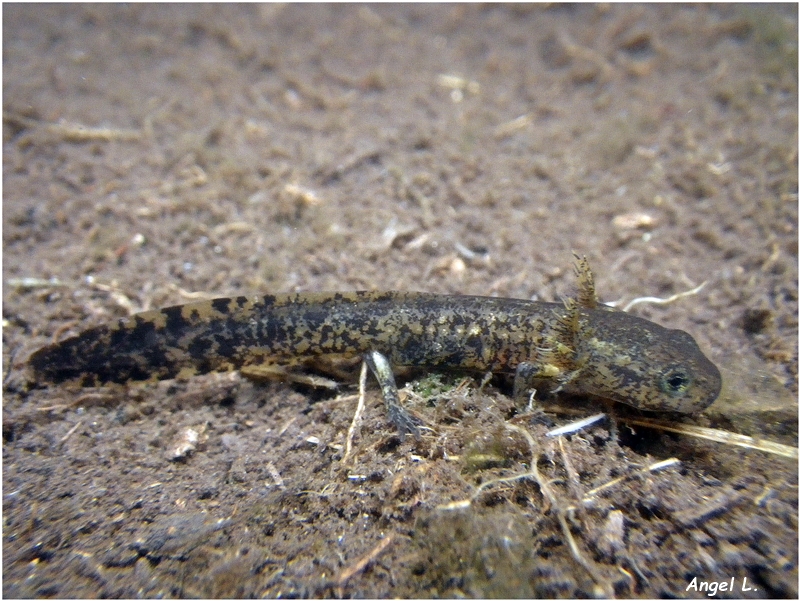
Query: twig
{"x": 731, "y": 438}
{"x": 75, "y": 132}
{"x": 276, "y": 476}
{"x": 588, "y": 498}
{"x": 362, "y": 386}
{"x": 663, "y": 301}
{"x": 89, "y": 396}
{"x": 362, "y": 563}
{"x": 574, "y": 479}
{"x": 577, "y": 425}
{"x": 70, "y": 433}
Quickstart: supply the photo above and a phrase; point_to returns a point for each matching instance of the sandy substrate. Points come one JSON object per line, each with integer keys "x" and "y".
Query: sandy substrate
{"x": 158, "y": 154}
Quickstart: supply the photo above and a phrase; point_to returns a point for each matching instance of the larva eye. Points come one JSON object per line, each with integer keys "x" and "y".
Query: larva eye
{"x": 675, "y": 382}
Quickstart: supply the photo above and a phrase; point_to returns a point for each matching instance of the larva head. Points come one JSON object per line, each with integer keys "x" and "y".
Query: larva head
{"x": 639, "y": 363}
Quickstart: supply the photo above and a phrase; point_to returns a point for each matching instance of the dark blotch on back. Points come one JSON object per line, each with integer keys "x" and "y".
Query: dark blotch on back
{"x": 87, "y": 357}
{"x": 222, "y": 305}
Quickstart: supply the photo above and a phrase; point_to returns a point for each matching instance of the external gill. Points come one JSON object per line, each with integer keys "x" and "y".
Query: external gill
{"x": 564, "y": 356}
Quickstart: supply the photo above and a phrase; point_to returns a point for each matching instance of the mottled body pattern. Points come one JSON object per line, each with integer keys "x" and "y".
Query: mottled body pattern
{"x": 580, "y": 347}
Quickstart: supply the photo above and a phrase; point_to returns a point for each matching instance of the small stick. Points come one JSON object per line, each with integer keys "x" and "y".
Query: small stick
{"x": 77, "y": 132}
{"x": 663, "y": 301}
{"x": 276, "y": 476}
{"x": 89, "y": 396}
{"x": 362, "y": 563}
{"x": 577, "y": 425}
{"x": 589, "y": 497}
{"x": 70, "y": 433}
{"x": 362, "y": 386}
{"x": 722, "y": 436}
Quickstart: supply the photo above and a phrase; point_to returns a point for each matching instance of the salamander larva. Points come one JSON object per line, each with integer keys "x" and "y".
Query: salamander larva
{"x": 580, "y": 346}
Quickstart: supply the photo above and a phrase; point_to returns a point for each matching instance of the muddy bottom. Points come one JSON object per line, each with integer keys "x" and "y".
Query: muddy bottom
{"x": 159, "y": 154}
